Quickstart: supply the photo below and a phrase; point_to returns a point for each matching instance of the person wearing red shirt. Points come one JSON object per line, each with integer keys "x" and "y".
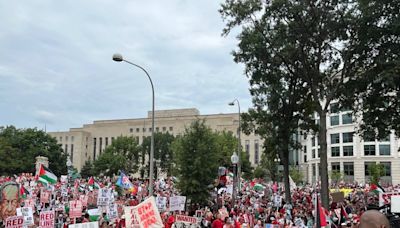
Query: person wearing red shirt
{"x": 217, "y": 222}
{"x": 170, "y": 220}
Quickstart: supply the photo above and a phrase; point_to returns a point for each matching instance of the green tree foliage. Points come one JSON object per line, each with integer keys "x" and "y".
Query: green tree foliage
{"x": 20, "y": 147}
{"x": 123, "y": 154}
{"x": 260, "y": 172}
{"x": 163, "y": 156}
{"x": 88, "y": 170}
{"x": 196, "y": 158}
{"x": 336, "y": 176}
{"x": 376, "y": 171}
{"x": 296, "y": 175}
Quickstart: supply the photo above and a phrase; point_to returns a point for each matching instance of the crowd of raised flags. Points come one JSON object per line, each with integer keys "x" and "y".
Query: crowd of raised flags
{"x": 48, "y": 201}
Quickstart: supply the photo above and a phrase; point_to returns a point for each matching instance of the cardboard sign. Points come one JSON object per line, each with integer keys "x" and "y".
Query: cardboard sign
{"x": 337, "y": 196}
{"x": 14, "y": 222}
{"x": 384, "y": 197}
{"x": 47, "y": 219}
{"x": 103, "y": 198}
{"x": 147, "y": 214}
{"x": 395, "y": 204}
{"x": 186, "y": 219}
{"x": 130, "y": 218}
{"x": 44, "y": 196}
{"x": 75, "y": 209}
{"x": 177, "y": 203}
{"x": 27, "y": 213}
{"x": 85, "y": 225}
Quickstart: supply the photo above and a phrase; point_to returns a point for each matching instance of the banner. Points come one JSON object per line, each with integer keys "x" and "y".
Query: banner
{"x": 147, "y": 214}
{"x": 85, "y": 225}
{"x": 47, "y": 219}
{"x": 384, "y": 197}
{"x": 14, "y": 222}
{"x": 130, "y": 218}
{"x": 177, "y": 203}
{"x": 75, "y": 209}
{"x": 27, "y": 213}
{"x": 103, "y": 198}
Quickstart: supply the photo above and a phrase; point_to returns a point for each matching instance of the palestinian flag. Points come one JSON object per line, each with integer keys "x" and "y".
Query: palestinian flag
{"x": 376, "y": 189}
{"x": 92, "y": 183}
{"x": 343, "y": 215}
{"x": 46, "y": 176}
{"x": 94, "y": 214}
{"x": 23, "y": 192}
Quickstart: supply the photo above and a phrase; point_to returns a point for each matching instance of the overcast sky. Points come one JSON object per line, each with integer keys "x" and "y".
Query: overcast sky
{"x": 56, "y": 63}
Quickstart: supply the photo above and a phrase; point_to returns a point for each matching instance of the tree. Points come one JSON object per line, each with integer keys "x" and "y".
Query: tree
{"x": 20, "y": 147}
{"x": 196, "y": 158}
{"x": 311, "y": 42}
{"x": 336, "y": 176}
{"x": 163, "y": 156}
{"x": 296, "y": 175}
{"x": 260, "y": 172}
{"x": 88, "y": 169}
{"x": 123, "y": 154}
{"x": 376, "y": 171}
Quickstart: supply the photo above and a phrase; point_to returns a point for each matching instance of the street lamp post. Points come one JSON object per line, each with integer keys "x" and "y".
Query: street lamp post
{"x": 119, "y": 58}
{"x": 234, "y": 160}
{"x": 239, "y": 169}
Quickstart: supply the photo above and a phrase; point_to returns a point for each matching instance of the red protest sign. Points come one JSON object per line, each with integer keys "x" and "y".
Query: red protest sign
{"x": 47, "y": 219}
{"x": 147, "y": 214}
{"x": 186, "y": 219}
{"x": 75, "y": 209}
{"x": 14, "y": 222}
{"x": 84, "y": 200}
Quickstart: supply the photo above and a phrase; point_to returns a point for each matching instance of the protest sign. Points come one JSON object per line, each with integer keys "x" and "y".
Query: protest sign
{"x": 27, "y": 213}
{"x": 47, "y": 219}
{"x": 75, "y": 209}
{"x": 337, "y": 196}
{"x": 44, "y": 196}
{"x": 84, "y": 200}
{"x": 14, "y": 222}
{"x": 147, "y": 214}
{"x": 85, "y": 225}
{"x": 161, "y": 203}
{"x": 112, "y": 211}
{"x": 103, "y": 197}
{"x": 130, "y": 218}
{"x": 384, "y": 197}
{"x": 177, "y": 203}
{"x": 63, "y": 179}
{"x": 395, "y": 204}
{"x": 277, "y": 200}
{"x": 186, "y": 219}
{"x": 30, "y": 203}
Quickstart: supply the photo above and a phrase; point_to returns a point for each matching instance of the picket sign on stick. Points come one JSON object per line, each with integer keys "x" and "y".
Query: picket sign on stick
{"x": 147, "y": 214}
{"x": 130, "y": 218}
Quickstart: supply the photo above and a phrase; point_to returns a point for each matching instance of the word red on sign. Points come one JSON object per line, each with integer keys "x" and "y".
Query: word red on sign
{"x": 15, "y": 222}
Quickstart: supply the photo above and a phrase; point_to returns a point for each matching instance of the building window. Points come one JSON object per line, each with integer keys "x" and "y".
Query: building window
{"x": 347, "y": 150}
{"x": 314, "y": 171}
{"x": 157, "y": 129}
{"x": 72, "y": 152}
{"x": 367, "y": 166}
{"x": 137, "y": 129}
{"x": 347, "y": 137}
{"x": 387, "y": 167}
{"x": 171, "y": 128}
{"x": 347, "y": 118}
{"x": 348, "y": 168}
{"x": 164, "y": 128}
{"x": 72, "y": 138}
{"x": 66, "y": 148}
{"x": 100, "y": 145}
{"x": 384, "y": 149}
{"x": 313, "y": 141}
{"x": 335, "y": 151}
{"x": 247, "y": 146}
{"x": 305, "y": 157}
{"x": 131, "y": 130}
{"x": 112, "y": 139}
{"x": 335, "y": 138}
{"x": 334, "y": 107}
{"x": 106, "y": 141}
{"x": 335, "y": 166}
{"x": 256, "y": 150}
{"x": 334, "y": 120}
{"x": 66, "y": 138}
{"x": 60, "y": 139}
{"x": 369, "y": 150}
{"x": 144, "y": 129}
{"x": 94, "y": 149}
{"x": 313, "y": 153}
{"x": 150, "y": 129}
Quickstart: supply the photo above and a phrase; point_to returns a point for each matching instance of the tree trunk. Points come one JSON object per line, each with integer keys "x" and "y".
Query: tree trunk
{"x": 285, "y": 161}
{"x": 323, "y": 160}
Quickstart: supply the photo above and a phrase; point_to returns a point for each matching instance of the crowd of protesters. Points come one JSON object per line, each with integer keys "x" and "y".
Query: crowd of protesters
{"x": 258, "y": 203}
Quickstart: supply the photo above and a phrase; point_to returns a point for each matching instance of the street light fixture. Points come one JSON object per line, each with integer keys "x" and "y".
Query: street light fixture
{"x": 234, "y": 160}
{"x": 239, "y": 150}
{"x": 119, "y": 58}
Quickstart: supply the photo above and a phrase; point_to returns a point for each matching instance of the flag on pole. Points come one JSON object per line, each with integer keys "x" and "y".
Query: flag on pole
{"x": 23, "y": 192}
{"x": 375, "y": 188}
{"x": 46, "y": 176}
{"x": 124, "y": 182}
{"x": 92, "y": 183}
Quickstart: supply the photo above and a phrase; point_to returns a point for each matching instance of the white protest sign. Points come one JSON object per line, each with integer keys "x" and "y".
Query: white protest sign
{"x": 177, "y": 203}
{"x": 384, "y": 197}
{"x": 112, "y": 212}
{"x": 277, "y": 200}
{"x": 186, "y": 219}
{"x": 63, "y": 179}
{"x": 75, "y": 209}
{"x": 161, "y": 203}
{"x": 147, "y": 214}
{"x": 28, "y": 215}
{"x": 14, "y": 222}
{"x": 47, "y": 219}
{"x": 103, "y": 198}
{"x": 85, "y": 225}
{"x": 130, "y": 218}
{"x": 395, "y": 204}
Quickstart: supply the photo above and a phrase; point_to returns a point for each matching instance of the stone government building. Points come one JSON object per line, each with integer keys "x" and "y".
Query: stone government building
{"x": 347, "y": 153}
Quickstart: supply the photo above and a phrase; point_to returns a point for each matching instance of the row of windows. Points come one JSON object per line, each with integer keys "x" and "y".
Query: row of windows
{"x": 164, "y": 129}
{"x": 346, "y": 119}
{"x": 66, "y": 138}
{"x": 256, "y": 150}
{"x": 71, "y": 153}
{"x": 369, "y": 150}
{"x": 348, "y": 168}
{"x": 347, "y": 137}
